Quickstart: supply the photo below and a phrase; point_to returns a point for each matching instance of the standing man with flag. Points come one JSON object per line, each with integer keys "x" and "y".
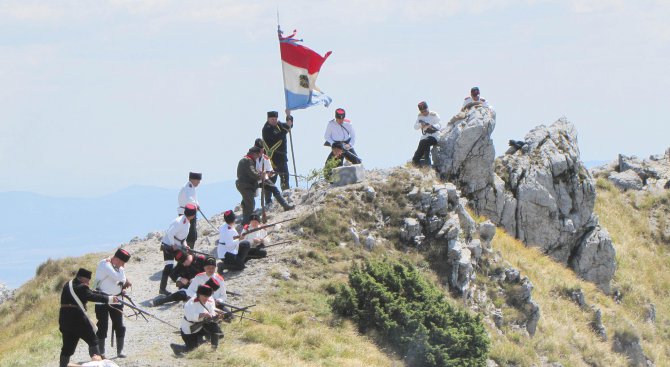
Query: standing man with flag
{"x": 274, "y": 134}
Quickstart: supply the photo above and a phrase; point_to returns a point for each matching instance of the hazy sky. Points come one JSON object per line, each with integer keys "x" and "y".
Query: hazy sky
{"x": 99, "y": 95}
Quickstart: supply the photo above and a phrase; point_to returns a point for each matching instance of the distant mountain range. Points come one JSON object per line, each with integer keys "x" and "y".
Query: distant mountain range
{"x": 37, "y": 227}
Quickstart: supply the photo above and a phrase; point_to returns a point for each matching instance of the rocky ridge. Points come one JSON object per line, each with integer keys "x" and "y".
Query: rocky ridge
{"x": 632, "y": 173}
{"x": 541, "y": 193}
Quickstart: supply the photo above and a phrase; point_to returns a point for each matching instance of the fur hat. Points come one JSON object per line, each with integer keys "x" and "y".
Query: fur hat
{"x": 204, "y": 290}
{"x": 122, "y": 255}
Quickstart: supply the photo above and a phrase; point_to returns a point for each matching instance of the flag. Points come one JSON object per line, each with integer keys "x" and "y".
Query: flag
{"x": 301, "y": 67}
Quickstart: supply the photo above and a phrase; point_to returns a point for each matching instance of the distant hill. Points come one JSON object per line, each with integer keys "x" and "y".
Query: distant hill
{"x": 38, "y": 227}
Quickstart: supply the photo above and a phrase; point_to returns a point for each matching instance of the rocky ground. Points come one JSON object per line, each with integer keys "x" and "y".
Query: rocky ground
{"x": 147, "y": 343}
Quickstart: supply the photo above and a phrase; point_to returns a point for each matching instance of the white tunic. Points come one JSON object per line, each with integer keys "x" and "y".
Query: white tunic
{"x": 433, "y": 119}
{"x": 202, "y": 278}
{"x": 227, "y": 242}
{"x": 336, "y": 132}
{"x": 262, "y": 234}
{"x": 177, "y": 231}
{"x": 192, "y": 310}
{"x": 263, "y": 164}
{"x": 107, "y": 278}
{"x": 470, "y": 100}
{"x": 187, "y": 195}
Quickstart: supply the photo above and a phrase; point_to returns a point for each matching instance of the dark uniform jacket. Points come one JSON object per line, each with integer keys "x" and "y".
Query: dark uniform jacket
{"x": 189, "y": 272}
{"x": 273, "y": 134}
{"x": 247, "y": 175}
{"x": 71, "y": 317}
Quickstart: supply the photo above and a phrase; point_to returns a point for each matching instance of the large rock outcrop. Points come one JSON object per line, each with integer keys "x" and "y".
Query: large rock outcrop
{"x": 541, "y": 193}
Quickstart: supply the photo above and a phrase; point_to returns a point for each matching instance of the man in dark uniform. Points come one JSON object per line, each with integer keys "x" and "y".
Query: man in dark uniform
{"x": 73, "y": 322}
{"x": 188, "y": 266}
{"x": 247, "y": 181}
{"x": 274, "y": 135}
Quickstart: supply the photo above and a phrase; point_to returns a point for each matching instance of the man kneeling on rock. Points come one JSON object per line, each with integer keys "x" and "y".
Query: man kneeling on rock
{"x": 187, "y": 268}
{"x": 198, "y": 322}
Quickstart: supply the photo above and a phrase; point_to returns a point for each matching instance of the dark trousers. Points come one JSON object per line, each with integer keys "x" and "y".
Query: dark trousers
{"x": 103, "y": 313}
{"x": 236, "y": 262}
{"x": 192, "y": 233}
{"x": 349, "y": 155}
{"x": 248, "y": 202}
{"x": 179, "y": 295}
{"x": 192, "y": 340}
{"x": 71, "y": 339}
{"x": 280, "y": 164}
{"x": 271, "y": 190}
{"x": 423, "y": 150}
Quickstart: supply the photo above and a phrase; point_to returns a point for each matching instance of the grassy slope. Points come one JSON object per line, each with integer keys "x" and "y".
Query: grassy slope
{"x": 299, "y": 329}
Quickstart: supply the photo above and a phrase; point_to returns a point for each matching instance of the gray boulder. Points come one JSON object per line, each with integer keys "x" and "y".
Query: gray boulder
{"x": 347, "y": 175}
{"x": 628, "y": 344}
{"x": 410, "y": 232}
{"x": 626, "y": 180}
{"x": 595, "y": 258}
{"x": 464, "y": 153}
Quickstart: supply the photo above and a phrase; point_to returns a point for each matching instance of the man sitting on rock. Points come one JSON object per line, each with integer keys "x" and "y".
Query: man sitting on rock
{"x": 429, "y": 124}
{"x": 335, "y": 159}
{"x": 230, "y": 249}
{"x": 341, "y": 130}
{"x": 258, "y": 239}
{"x": 474, "y": 99}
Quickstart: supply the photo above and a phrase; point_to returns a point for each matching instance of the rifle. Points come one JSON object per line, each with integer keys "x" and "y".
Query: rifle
{"x": 203, "y": 215}
{"x": 278, "y": 243}
{"x": 233, "y": 294}
{"x": 142, "y": 311}
{"x": 263, "y": 227}
{"x": 168, "y": 248}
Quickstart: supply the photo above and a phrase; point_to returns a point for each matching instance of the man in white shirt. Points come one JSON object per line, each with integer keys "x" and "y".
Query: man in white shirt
{"x": 474, "y": 99}
{"x": 110, "y": 279}
{"x": 219, "y": 294}
{"x": 264, "y": 167}
{"x": 258, "y": 239}
{"x": 230, "y": 249}
{"x": 194, "y": 325}
{"x": 187, "y": 195}
{"x": 429, "y": 124}
{"x": 341, "y": 130}
{"x": 172, "y": 240}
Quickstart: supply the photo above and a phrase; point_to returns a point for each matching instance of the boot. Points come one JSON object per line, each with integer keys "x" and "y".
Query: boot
{"x": 101, "y": 347}
{"x": 119, "y": 347}
{"x": 284, "y": 204}
{"x": 177, "y": 349}
{"x": 164, "y": 278}
{"x": 64, "y": 361}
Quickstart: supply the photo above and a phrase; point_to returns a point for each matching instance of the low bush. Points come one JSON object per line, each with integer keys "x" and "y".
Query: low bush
{"x": 400, "y": 306}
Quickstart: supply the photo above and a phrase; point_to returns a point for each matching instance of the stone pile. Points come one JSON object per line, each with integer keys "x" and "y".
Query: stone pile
{"x": 633, "y": 173}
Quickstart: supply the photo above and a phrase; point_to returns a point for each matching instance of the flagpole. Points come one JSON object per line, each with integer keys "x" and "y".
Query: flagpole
{"x": 290, "y": 134}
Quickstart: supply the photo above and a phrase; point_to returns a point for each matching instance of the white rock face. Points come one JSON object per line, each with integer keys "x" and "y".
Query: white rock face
{"x": 542, "y": 194}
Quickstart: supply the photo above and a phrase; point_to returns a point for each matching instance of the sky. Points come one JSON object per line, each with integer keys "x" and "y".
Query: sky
{"x": 96, "y": 96}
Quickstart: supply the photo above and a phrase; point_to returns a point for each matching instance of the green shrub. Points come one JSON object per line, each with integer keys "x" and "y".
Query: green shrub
{"x": 412, "y": 315}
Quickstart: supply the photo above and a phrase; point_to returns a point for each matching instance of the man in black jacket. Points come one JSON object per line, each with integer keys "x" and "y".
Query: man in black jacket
{"x": 73, "y": 322}
{"x": 247, "y": 181}
{"x": 274, "y": 135}
{"x": 188, "y": 266}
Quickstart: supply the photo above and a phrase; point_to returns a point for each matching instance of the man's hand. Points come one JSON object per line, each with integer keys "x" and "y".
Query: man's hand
{"x": 115, "y": 299}
{"x": 128, "y": 284}
{"x": 96, "y": 358}
{"x": 205, "y": 316}
{"x": 183, "y": 283}
{"x": 347, "y": 146}
{"x": 258, "y": 241}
